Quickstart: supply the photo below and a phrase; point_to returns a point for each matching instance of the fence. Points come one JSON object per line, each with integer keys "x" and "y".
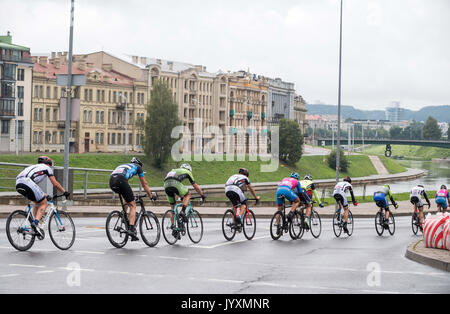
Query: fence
{"x": 84, "y": 179}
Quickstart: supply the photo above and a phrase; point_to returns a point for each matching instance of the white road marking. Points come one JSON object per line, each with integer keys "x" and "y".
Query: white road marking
{"x": 80, "y": 269}
{"x": 174, "y": 258}
{"x": 27, "y": 266}
{"x": 381, "y": 292}
{"x": 226, "y": 243}
{"x": 45, "y": 272}
{"x": 9, "y": 275}
{"x": 90, "y": 252}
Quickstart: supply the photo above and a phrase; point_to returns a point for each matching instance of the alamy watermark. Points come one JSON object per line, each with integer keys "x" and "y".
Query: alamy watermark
{"x": 214, "y": 143}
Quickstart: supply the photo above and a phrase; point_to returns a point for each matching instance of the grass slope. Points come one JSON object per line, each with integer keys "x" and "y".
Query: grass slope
{"x": 410, "y": 152}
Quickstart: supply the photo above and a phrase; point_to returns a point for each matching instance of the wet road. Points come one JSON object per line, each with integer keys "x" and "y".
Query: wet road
{"x": 364, "y": 263}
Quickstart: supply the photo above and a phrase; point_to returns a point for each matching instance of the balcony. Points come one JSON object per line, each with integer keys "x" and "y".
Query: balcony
{"x": 7, "y": 109}
{"x": 11, "y": 58}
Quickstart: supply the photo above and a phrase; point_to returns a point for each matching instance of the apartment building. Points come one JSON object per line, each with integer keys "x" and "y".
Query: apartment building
{"x": 110, "y": 107}
{"x": 16, "y": 70}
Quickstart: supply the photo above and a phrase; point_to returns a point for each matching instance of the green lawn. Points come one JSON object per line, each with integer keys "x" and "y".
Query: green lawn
{"x": 216, "y": 172}
{"x": 410, "y": 152}
{"x": 392, "y": 166}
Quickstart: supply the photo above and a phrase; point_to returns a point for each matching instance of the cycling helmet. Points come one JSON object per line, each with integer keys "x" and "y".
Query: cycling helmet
{"x": 308, "y": 177}
{"x": 45, "y": 160}
{"x": 136, "y": 161}
{"x": 348, "y": 179}
{"x": 443, "y": 187}
{"x": 187, "y": 167}
{"x": 295, "y": 175}
{"x": 244, "y": 172}
{"x": 387, "y": 186}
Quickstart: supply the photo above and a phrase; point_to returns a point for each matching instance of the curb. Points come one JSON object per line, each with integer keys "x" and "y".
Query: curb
{"x": 412, "y": 254}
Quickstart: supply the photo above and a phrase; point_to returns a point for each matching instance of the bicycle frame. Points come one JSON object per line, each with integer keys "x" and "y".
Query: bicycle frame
{"x": 49, "y": 213}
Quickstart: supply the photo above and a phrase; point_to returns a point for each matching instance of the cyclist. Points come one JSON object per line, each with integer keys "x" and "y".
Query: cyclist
{"x": 173, "y": 185}
{"x": 442, "y": 199}
{"x": 234, "y": 190}
{"x": 340, "y": 196}
{"x": 26, "y": 185}
{"x": 291, "y": 189}
{"x": 118, "y": 183}
{"x": 416, "y": 200}
{"x": 381, "y": 199}
{"x": 308, "y": 185}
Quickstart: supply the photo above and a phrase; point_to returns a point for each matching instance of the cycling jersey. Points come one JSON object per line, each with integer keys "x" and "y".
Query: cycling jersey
{"x": 381, "y": 197}
{"x": 290, "y": 189}
{"x": 238, "y": 180}
{"x": 234, "y": 188}
{"x": 340, "y": 192}
{"x": 128, "y": 171}
{"x": 173, "y": 183}
{"x": 416, "y": 196}
{"x": 36, "y": 173}
{"x": 310, "y": 189}
{"x": 442, "y": 198}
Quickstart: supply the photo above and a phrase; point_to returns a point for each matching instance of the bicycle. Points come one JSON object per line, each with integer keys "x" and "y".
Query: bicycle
{"x": 314, "y": 221}
{"x": 415, "y": 222}
{"x": 118, "y": 225}
{"x": 248, "y": 225}
{"x": 174, "y": 227}
{"x": 380, "y": 221}
{"x": 338, "y": 221}
{"x": 22, "y": 233}
{"x": 282, "y": 225}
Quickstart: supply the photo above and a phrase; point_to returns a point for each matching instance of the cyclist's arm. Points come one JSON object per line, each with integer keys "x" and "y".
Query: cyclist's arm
{"x": 56, "y": 184}
{"x": 391, "y": 197}
{"x": 316, "y": 195}
{"x": 145, "y": 186}
{"x": 426, "y": 197}
{"x": 197, "y": 188}
{"x": 353, "y": 196}
{"x": 252, "y": 190}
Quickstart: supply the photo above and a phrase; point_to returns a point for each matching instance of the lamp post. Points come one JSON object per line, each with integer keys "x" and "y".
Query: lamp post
{"x": 338, "y": 155}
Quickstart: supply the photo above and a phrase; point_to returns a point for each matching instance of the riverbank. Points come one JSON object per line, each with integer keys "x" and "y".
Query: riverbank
{"x": 410, "y": 152}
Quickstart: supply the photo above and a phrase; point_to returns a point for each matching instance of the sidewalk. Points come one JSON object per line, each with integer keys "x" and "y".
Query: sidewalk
{"x": 436, "y": 258}
{"x": 366, "y": 210}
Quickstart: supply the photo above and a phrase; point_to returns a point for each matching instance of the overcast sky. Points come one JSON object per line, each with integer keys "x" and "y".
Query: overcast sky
{"x": 394, "y": 50}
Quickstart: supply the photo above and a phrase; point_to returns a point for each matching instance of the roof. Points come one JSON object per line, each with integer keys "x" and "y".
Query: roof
{"x": 6, "y": 43}
{"x": 110, "y": 77}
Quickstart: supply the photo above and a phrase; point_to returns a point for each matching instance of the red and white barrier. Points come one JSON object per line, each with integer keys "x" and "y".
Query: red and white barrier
{"x": 433, "y": 231}
{"x": 447, "y": 235}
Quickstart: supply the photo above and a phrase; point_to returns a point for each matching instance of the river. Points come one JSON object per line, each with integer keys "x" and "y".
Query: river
{"x": 438, "y": 173}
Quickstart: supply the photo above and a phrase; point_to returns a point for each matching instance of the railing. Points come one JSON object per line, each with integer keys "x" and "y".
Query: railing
{"x": 11, "y": 58}
{"x": 83, "y": 178}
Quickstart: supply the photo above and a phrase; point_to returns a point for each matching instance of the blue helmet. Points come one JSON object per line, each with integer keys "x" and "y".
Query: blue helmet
{"x": 295, "y": 175}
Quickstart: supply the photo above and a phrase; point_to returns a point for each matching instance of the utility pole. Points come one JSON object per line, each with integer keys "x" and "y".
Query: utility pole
{"x": 338, "y": 155}
{"x": 69, "y": 94}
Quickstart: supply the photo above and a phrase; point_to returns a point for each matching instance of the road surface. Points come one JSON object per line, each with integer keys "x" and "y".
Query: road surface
{"x": 364, "y": 263}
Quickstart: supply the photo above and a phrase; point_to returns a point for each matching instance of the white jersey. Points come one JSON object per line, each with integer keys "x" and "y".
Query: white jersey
{"x": 36, "y": 173}
{"x": 417, "y": 191}
{"x": 238, "y": 180}
{"x": 342, "y": 188}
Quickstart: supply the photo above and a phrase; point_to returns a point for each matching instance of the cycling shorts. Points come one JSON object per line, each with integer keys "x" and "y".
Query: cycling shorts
{"x": 340, "y": 197}
{"x": 415, "y": 200}
{"x": 380, "y": 200}
{"x": 235, "y": 195}
{"x": 442, "y": 201}
{"x": 119, "y": 184}
{"x": 30, "y": 190}
{"x": 285, "y": 192}
{"x": 173, "y": 188}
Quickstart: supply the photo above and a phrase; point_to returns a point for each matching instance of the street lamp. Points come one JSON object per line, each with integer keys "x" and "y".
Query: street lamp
{"x": 125, "y": 121}
{"x": 338, "y": 155}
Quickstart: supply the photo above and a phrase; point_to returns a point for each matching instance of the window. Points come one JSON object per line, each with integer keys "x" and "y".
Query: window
{"x": 114, "y": 97}
{"x": 119, "y": 138}
{"x": 97, "y": 138}
{"x": 47, "y": 114}
{"x": 90, "y": 95}
{"x": 40, "y": 115}
{"x": 21, "y": 74}
{"x": 20, "y": 127}
{"x": 55, "y": 92}
{"x": 113, "y": 138}
{"x": 61, "y": 137}
{"x": 97, "y": 117}
{"x": 85, "y": 116}
{"x": 55, "y": 114}
{"x": 35, "y": 137}
{"x": 47, "y": 137}
{"x": 9, "y": 71}
{"x": 86, "y": 94}
{"x": 5, "y": 126}
{"x": 103, "y": 96}
{"x": 54, "y": 136}
{"x": 130, "y": 139}
{"x": 102, "y": 135}
{"x": 8, "y": 89}
{"x": 20, "y": 92}
{"x": 48, "y": 92}
{"x": 36, "y": 88}
{"x": 41, "y": 91}
{"x": 35, "y": 117}
{"x": 102, "y": 117}
{"x": 20, "y": 108}
{"x": 98, "y": 95}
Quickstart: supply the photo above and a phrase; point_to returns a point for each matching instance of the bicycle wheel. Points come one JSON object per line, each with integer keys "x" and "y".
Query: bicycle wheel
{"x": 169, "y": 227}
{"x": 295, "y": 226}
{"x": 150, "y": 229}
{"x": 379, "y": 227}
{"x": 276, "y": 226}
{"x": 19, "y": 231}
{"x": 62, "y": 230}
{"x": 116, "y": 229}
{"x": 195, "y": 227}
{"x": 391, "y": 224}
{"x": 249, "y": 225}
{"x": 228, "y": 225}
{"x": 316, "y": 224}
{"x": 415, "y": 224}
{"x": 337, "y": 224}
{"x": 350, "y": 223}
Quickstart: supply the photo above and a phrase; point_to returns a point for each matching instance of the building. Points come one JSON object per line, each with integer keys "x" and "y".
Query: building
{"x": 280, "y": 100}
{"x": 111, "y": 104}
{"x": 299, "y": 113}
{"x": 16, "y": 70}
{"x": 248, "y": 107}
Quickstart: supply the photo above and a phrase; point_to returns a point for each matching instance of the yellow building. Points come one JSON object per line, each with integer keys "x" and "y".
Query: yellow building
{"x": 107, "y": 101}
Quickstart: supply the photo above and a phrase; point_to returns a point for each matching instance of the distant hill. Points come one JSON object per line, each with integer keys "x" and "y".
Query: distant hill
{"x": 440, "y": 113}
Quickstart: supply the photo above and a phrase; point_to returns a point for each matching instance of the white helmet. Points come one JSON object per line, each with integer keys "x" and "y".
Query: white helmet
{"x": 187, "y": 167}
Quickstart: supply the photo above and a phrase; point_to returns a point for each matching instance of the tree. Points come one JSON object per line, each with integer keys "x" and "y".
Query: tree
{"x": 431, "y": 130}
{"x": 344, "y": 163}
{"x": 291, "y": 141}
{"x": 448, "y": 133}
{"x": 395, "y": 132}
{"x": 162, "y": 117}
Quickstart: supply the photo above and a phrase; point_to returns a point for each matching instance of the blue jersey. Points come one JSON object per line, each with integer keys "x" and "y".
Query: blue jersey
{"x": 129, "y": 171}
